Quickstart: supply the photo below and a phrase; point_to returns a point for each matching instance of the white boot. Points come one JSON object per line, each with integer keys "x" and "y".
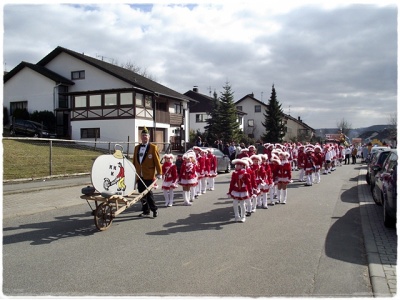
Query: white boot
{"x": 236, "y": 209}
{"x": 166, "y": 197}
{"x": 279, "y": 196}
{"x": 265, "y": 200}
{"x": 284, "y": 196}
{"x": 171, "y": 197}
{"x": 271, "y": 196}
{"x": 186, "y": 197}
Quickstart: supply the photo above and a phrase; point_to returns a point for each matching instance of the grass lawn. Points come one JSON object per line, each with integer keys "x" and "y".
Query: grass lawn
{"x": 32, "y": 159}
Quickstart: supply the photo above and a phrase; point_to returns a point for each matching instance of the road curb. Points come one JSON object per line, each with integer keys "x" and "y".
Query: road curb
{"x": 377, "y": 275}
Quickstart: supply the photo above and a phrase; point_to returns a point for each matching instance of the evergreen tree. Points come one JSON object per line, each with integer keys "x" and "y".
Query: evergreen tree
{"x": 274, "y": 127}
{"x": 212, "y": 131}
{"x": 228, "y": 127}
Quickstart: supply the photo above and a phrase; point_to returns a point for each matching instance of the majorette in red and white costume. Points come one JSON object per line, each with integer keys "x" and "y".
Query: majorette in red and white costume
{"x": 260, "y": 178}
{"x": 202, "y": 174}
{"x": 170, "y": 179}
{"x": 269, "y": 183}
{"x": 243, "y": 153}
{"x": 254, "y": 191}
{"x": 252, "y": 150}
{"x": 319, "y": 162}
{"x": 240, "y": 188}
{"x": 188, "y": 177}
{"x": 200, "y": 170}
{"x": 309, "y": 164}
{"x": 300, "y": 162}
{"x": 284, "y": 177}
{"x": 211, "y": 168}
{"x": 274, "y": 166}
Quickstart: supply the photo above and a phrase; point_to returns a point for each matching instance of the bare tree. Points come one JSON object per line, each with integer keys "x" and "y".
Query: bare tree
{"x": 344, "y": 127}
{"x": 135, "y": 68}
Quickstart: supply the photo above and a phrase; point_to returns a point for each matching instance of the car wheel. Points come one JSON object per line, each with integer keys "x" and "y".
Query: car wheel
{"x": 387, "y": 219}
{"x": 375, "y": 195}
{"x": 228, "y": 168}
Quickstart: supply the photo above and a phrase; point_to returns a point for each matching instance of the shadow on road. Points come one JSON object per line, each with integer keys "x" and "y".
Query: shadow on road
{"x": 344, "y": 240}
{"x": 46, "y": 232}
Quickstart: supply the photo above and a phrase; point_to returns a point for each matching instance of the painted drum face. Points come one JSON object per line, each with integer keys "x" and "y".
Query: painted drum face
{"x": 113, "y": 175}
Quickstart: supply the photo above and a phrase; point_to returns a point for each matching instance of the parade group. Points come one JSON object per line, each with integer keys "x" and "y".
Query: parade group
{"x": 261, "y": 174}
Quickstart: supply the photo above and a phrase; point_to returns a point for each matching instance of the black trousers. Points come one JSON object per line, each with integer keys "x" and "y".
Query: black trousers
{"x": 147, "y": 200}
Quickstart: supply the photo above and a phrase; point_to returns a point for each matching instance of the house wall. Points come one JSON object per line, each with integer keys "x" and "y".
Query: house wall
{"x": 248, "y": 106}
{"x": 95, "y": 79}
{"x": 30, "y": 86}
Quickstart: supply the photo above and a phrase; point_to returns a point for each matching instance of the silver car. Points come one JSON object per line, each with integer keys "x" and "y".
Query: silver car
{"x": 223, "y": 161}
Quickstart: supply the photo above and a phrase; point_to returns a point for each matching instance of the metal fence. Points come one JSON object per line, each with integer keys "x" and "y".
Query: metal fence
{"x": 34, "y": 158}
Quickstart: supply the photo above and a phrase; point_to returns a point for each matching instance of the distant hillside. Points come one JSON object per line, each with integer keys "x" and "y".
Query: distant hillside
{"x": 380, "y": 132}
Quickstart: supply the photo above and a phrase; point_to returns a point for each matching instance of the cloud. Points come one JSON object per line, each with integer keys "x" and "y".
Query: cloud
{"x": 328, "y": 61}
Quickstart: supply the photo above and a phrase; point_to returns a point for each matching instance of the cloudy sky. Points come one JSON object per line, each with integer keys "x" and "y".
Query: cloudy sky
{"x": 328, "y": 62}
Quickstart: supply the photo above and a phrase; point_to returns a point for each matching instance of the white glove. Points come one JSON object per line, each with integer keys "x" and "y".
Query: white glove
{"x": 159, "y": 176}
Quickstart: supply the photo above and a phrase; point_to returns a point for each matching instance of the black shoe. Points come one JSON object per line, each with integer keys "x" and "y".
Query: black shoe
{"x": 248, "y": 214}
{"x": 155, "y": 214}
{"x": 143, "y": 215}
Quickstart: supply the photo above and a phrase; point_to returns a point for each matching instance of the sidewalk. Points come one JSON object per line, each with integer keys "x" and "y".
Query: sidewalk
{"x": 380, "y": 242}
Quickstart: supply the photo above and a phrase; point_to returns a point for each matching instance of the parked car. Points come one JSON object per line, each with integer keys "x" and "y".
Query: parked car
{"x": 375, "y": 165}
{"x": 31, "y": 129}
{"x": 373, "y": 150}
{"x": 223, "y": 161}
{"x": 385, "y": 189}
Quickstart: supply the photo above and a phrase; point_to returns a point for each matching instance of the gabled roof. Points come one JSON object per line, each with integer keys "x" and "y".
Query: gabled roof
{"x": 251, "y": 96}
{"x": 203, "y": 103}
{"x": 39, "y": 69}
{"x": 123, "y": 74}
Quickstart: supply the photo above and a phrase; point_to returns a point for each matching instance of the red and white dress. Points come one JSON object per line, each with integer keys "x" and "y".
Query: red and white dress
{"x": 211, "y": 165}
{"x": 188, "y": 176}
{"x": 284, "y": 172}
{"x": 240, "y": 187}
{"x": 170, "y": 176}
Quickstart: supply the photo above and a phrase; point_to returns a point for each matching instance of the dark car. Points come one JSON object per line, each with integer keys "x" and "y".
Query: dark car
{"x": 375, "y": 165}
{"x": 31, "y": 129}
{"x": 223, "y": 161}
{"x": 385, "y": 189}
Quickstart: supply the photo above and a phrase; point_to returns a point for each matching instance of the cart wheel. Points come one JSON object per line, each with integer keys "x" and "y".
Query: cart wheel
{"x": 103, "y": 216}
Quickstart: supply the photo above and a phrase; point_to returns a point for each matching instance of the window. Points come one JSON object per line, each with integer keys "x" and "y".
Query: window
{"x": 178, "y": 108}
{"x": 90, "y": 133}
{"x": 75, "y": 75}
{"x": 110, "y": 99}
{"x": 239, "y": 108}
{"x": 139, "y": 99}
{"x": 18, "y": 105}
{"x": 80, "y": 101}
{"x": 94, "y": 100}
{"x": 250, "y": 123}
{"x": 62, "y": 98}
{"x": 257, "y": 108}
{"x": 126, "y": 99}
{"x": 148, "y": 102}
{"x": 200, "y": 118}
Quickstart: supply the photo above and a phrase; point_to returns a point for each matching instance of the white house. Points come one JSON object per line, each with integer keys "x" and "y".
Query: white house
{"x": 95, "y": 99}
{"x": 255, "y": 109}
{"x": 200, "y": 109}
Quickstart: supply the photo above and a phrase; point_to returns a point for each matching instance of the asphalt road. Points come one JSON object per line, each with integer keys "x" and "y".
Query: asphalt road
{"x": 310, "y": 247}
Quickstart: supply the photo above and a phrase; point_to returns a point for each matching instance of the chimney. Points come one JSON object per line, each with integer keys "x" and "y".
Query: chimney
{"x": 298, "y": 118}
{"x": 195, "y": 89}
